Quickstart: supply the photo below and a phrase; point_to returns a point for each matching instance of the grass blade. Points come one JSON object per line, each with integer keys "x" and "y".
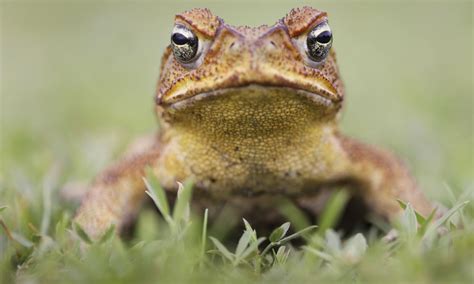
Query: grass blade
{"x": 318, "y": 253}
{"x": 279, "y": 232}
{"x": 182, "y": 201}
{"x": 419, "y": 218}
{"x": 49, "y": 183}
{"x": 333, "y": 210}
{"x": 243, "y": 243}
{"x": 424, "y": 226}
{"x": 409, "y": 221}
{"x": 204, "y": 233}
{"x": 222, "y": 249}
{"x": 297, "y": 234}
{"x": 249, "y": 228}
{"x": 157, "y": 193}
{"x": 253, "y": 247}
{"x": 81, "y": 233}
{"x": 293, "y": 214}
{"x": 438, "y": 223}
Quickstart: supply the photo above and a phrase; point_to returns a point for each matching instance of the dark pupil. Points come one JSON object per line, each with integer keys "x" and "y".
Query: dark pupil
{"x": 324, "y": 37}
{"x": 179, "y": 39}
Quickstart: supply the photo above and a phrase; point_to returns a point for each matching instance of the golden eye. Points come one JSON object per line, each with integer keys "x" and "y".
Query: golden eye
{"x": 185, "y": 44}
{"x": 319, "y": 42}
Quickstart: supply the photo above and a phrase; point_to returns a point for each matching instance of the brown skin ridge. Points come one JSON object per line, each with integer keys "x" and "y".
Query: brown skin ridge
{"x": 300, "y": 20}
{"x": 202, "y": 20}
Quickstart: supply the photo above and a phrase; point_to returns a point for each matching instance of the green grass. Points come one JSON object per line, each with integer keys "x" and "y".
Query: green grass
{"x": 177, "y": 249}
{"x": 76, "y": 86}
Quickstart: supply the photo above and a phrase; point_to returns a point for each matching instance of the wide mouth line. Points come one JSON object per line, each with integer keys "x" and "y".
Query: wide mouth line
{"x": 317, "y": 98}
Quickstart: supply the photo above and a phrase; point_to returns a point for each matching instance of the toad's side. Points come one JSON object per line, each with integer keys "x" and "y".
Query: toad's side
{"x": 250, "y": 114}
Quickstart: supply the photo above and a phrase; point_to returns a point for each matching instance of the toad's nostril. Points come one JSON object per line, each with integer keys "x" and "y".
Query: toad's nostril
{"x": 232, "y": 44}
{"x": 273, "y": 43}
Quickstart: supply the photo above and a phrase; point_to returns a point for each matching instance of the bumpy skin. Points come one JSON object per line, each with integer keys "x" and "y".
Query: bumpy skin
{"x": 250, "y": 121}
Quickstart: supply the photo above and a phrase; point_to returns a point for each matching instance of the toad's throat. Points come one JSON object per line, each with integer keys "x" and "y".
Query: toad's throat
{"x": 253, "y": 112}
{"x": 258, "y": 138}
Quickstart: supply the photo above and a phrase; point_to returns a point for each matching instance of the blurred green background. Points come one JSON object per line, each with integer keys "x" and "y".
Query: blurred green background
{"x": 77, "y": 81}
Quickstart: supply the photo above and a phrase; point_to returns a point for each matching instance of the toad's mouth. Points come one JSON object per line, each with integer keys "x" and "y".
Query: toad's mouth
{"x": 183, "y": 92}
{"x": 318, "y": 99}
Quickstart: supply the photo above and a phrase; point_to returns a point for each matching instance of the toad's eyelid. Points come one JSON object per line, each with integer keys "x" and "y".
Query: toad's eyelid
{"x": 178, "y": 28}
{"x": 321, "y": 26}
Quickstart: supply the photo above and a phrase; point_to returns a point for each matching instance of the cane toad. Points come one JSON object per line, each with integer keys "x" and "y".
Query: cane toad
{"x": 250, "y": 114}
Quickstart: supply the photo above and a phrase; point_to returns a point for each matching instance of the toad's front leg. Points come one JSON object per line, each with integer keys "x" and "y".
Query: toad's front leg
{"x": 382, "y": 180}
{"x": 116, "y": 194}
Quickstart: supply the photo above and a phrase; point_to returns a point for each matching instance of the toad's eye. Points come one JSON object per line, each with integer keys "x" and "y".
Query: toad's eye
{"x": 185, "y": 44}
{"x": 319, "y": 42}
